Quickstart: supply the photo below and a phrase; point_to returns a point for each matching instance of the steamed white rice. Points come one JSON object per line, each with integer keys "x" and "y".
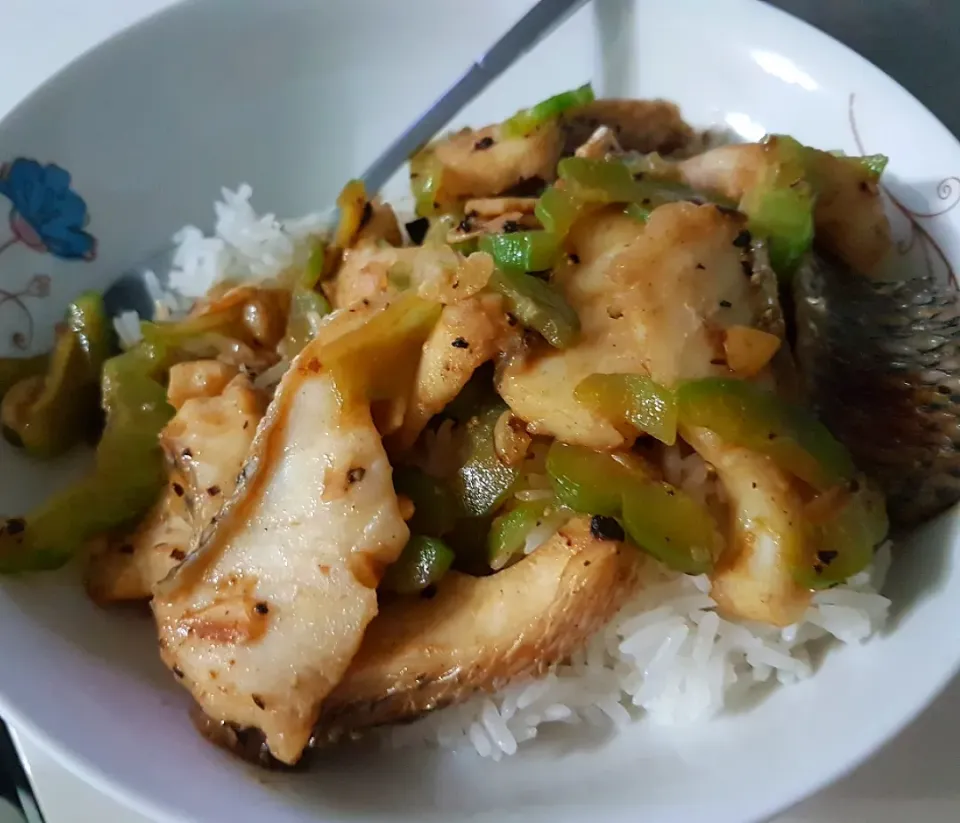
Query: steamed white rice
{"x": 667, "y": 655}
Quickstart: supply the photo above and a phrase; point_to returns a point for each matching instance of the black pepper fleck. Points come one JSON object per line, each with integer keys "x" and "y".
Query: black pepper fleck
{"x": 261, "y": 608}
{"x": 826, "y": 557}
{"x": 510, "y": 226}
{"x": 417, "y": 229}
{"x": 178, "y": 672}
{"x": 605, "y": 528}
{"x": 246, "y": 424}
{"x": 718, "y": 361}
{"x": 701, "y": 267}
{"x": 483, "y": 143}
{"x": 355, "y": 475}
{"x": 178, "y": 555}
{"x": 15, "y": 525}
{"x": 460, "y": 343}
{"x": 742, "y": 240}
{"x": 213, "y": 491}
{"x": 725, "y": 304}
{"x": 258, "y": 701}
{"x": 864, "y": 186}
{"x": 178, "y": 490}
{"x": 367, "y": 214}
{"x": 573, "y": 258}
{"x": 465, "y": 226}
{"x": 727, "y": 210}
{"x": 772, "y": 436}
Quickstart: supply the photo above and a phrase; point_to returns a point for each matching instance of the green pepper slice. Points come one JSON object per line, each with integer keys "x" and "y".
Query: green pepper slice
{"x": 307, "y": 307}
{"x": 670, "y": 525}
{"x": 780, "y": 206}
{"x": 842, "y": 544}
{"x": 434, "y": 505}
{"x": 599, "y": 181}
{"x": 426, "y": 174}
{"x": 352, "y": 202}
{"x": 745, "y": 415}
{"x": 538, "y": 306}
{"x": 662, "y": 520}
{"x": 632, "y": 398}
{"x": 558, "y": 208}
{"x": 522, "y": 251}
{"x": 482, "y": 482}
{"x": 15, "y": 369}
{"x": 127, "y": 477}
{"x": 588, "y": 183}
{"x": 639, "y": 213}
{"x": 48, "y": 414}
{"x": 526, "y": 121}
{"x": 422, "y": 563}
{"x": 587, "y": 481}
{"x": 509, "y": 531}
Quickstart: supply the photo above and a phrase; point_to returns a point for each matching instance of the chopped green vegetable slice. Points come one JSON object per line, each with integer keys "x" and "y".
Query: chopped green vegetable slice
{"x": 638, "y": 212}
{"x": 127, "y": 477}
{"x": 669, "y": 524}
{"x": 559, "y": 208}
{"x": 48, "y": 414}
{"x": 662, "y": 520}
{"x": 434, "y": 505}
{"x": 307, "y": 309}
{"x": 526, "y": 121}
{"x": 352, "y": 202}
{"x": 780, "y": 206}
{"x": 482, "y": 482}
{"x": 426, "y": 174}
{"x": 508, "y": 535}
{"x": 643, "y": 403}
{"x": 874, "y": 163}
{"x": 422, "y": 563}
{"x": 745, "y": 415}
{"x": 599, "y": 181}
{"x": 522, "y": 251}
{"x": 15, "y": 369}
{"x": 538, "y": 306}
{"x": 315, "y": 269}
{"x": 842, "y": 543}
{"x": 587, "y": 481}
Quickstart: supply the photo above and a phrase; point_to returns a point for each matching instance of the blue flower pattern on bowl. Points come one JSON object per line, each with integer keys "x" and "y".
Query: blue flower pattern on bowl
{"x": 47, "y": 216}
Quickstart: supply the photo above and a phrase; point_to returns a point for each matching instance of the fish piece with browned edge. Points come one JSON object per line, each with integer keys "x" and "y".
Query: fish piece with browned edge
{"x": 263, "y": 619}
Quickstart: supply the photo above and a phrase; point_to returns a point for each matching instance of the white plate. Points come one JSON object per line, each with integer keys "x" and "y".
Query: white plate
{"x": 295, "y": 96}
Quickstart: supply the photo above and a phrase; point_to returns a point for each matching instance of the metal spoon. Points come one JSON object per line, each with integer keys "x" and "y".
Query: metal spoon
{"x": 129, "y": 291}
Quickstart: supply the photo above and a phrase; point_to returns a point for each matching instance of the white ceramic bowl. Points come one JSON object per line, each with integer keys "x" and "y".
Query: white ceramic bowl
{"x": 295, "y": 96}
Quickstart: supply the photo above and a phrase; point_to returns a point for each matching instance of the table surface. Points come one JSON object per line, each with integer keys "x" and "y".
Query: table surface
{"x": 914, "y": 778}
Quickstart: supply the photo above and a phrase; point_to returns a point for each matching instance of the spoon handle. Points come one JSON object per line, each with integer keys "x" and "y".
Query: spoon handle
{"x": 523, "y": 36}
